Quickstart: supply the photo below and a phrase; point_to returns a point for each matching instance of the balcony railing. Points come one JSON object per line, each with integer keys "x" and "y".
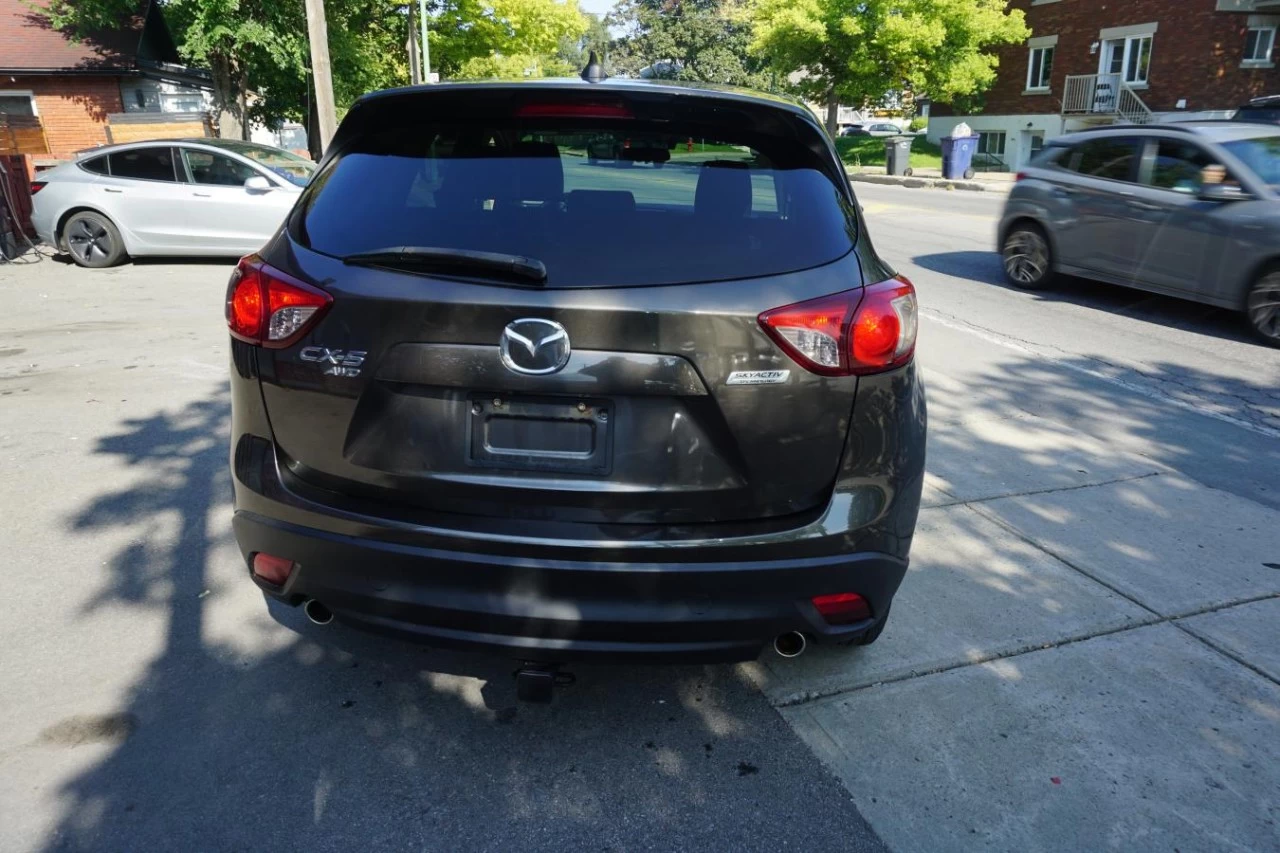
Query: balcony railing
{"x": 1104, "y": 96}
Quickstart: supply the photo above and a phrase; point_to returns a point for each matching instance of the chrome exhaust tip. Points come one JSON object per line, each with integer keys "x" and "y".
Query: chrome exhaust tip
{"x": 317, "y": 612}
{"x": 790, "y": 645}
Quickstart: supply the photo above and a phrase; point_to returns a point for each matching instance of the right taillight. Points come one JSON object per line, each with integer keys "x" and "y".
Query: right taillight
{"x": 36, "y": 186}
{"x": 268, "y": 307}
{"x": 856, "y": 332}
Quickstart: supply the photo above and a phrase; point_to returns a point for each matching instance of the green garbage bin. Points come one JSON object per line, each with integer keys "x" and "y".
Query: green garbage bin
{"x": 897, "y": 155}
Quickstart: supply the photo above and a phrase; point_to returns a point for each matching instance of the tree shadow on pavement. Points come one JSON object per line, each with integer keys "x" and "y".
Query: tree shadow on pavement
{"x": 1157, "y": 309}
{"x": 244, "y": 732}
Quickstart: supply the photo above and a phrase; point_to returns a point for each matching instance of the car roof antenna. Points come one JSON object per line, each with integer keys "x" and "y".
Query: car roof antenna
{"x": 594, "y": 72}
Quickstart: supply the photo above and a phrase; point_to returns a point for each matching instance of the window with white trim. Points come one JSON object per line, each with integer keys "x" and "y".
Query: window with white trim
{"x": 1129, "y": 57}
{"x": 17, "y": 103}
{"x": 1259, "y": 43}
{"x": 991, "y": 142}
{"x": 1039, "y": 68}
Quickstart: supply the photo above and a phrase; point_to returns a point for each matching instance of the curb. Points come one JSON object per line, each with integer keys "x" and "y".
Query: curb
{"x": 930, "y": 183}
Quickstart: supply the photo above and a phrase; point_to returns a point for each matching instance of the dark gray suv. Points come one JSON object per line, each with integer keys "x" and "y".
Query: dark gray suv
{"x": 488, "y": 393}
{"x": 1190, "y": 210}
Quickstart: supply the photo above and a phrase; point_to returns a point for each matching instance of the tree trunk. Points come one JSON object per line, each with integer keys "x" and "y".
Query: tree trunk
{"x": 243, "y": 95}
{"x": 833, "y": 111}
{"x": 313, "y": 124}
{"x": 223, "y": 97}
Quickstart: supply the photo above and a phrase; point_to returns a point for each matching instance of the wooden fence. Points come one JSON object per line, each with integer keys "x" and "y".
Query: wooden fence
{"x": 22, "y": 135}
{"x": 137, "y": 127}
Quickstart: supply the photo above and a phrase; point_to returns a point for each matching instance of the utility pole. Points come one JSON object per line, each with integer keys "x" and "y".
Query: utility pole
{"x": 426, "y": 45}
{"x": 318, "y": 34}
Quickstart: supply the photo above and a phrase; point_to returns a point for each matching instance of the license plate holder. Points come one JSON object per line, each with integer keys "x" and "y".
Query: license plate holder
{"x": 547, "y": 434}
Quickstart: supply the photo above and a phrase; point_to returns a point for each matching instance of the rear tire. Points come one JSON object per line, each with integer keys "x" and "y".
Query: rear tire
{"x": 93, "y": 240}
{"x": 1027, "y": 257}
{"x": 1262, "y": 307}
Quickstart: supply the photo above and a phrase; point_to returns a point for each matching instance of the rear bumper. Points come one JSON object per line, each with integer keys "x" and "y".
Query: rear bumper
{"x": 562, "y": 609}
{"x": 564, "y": 592}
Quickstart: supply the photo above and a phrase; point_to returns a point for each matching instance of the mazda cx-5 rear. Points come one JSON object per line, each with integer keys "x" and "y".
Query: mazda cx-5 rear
{"x": 493, "y": 392}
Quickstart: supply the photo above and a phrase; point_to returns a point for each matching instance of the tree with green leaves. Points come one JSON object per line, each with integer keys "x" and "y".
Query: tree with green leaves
{"x": 502, "y": 38}
{"x": 705, "y": 41}
{"x": 856, "y": 50}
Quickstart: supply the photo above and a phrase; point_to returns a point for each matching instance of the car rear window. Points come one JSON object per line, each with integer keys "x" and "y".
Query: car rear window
{"x": 145, "y": 164}
{"x": 1110, "y": 157}
{"x": 606, "y": 204}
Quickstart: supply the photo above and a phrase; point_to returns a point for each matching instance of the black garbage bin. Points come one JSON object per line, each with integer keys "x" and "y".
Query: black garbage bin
{"x": 897, "y": 155}
{"x": 957, "y": 156}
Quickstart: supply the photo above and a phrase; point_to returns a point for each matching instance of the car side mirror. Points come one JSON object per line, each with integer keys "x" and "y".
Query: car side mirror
{"x": 1222, "y": 193}
{"x": 258, "y": 184}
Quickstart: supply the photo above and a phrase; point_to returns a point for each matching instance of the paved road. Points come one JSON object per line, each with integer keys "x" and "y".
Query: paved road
{"x": 1085, "y": 642}
{"x": 1122, "y": 365}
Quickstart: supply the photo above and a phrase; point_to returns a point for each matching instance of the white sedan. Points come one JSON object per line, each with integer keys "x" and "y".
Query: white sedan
{"x": 171, "y": 197}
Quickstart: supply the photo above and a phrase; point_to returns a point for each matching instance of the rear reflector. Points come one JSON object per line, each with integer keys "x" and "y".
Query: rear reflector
{"x": 573, "y": 111}
{"x": 274, "y": 570}
{"x": 36, "y": 186}
{"x": 1020, "y": 176}
{"x": 842, "y": 608}
{"x": 863, "y": 331}
{"x": 270, "y": 308}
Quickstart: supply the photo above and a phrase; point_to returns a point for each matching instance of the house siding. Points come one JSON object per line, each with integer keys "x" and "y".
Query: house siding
{"x": 73, "y": 109}
{"x": 1196, "y": 55}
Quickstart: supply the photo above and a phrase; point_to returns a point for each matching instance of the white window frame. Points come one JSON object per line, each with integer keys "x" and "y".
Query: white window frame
{"x": 29, "y": 94}
{"x": 1265, "y": 61}
{"x": 1002, "y": 135}
{"x": 1044, "y": 84}
{"x": 1133, "y": 37}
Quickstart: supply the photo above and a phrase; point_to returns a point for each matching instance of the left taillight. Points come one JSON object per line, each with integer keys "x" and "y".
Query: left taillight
{"x": 269, "y": 308}
{"x": 36, "y": 186}
{"x": 854, "y": 332}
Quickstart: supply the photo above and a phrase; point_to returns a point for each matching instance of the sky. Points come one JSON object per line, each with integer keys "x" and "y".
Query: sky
{"x": 598, "y": 7}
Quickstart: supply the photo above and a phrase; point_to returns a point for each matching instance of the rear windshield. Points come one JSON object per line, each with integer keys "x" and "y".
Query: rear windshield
{"x": 620, "y": 203}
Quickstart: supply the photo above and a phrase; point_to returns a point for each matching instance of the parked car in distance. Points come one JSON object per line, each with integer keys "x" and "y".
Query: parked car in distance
{"x": 514, "y": 402}
{"x": 849, "y": 130}
{"x": 168, "y": 197}
{"x": 879, "y": 129}
{"x": 1189, "y": 209}
{"x": 1264, "y": 110}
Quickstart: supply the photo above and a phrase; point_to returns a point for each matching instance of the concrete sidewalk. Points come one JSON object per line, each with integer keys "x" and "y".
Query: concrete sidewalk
{"x": 1083, "y": 656}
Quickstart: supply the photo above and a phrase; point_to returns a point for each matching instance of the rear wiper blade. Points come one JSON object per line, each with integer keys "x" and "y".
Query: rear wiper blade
{"x": 452, "y": 260}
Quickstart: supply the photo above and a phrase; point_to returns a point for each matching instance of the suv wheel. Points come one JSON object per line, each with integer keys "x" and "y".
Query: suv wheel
{"x": 1028, "y": 261}
{"x": 1262, "y": 307}
{"x": 93, "y": 240}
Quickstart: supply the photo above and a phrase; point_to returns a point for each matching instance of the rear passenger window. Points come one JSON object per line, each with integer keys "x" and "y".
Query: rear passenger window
{"x": 97, "y": 165}
{"x": 611, "y": 205}
{"x": 148, "y": 164}
{"x": 1111, "y": 158}
{"x": 1179, "y": 166}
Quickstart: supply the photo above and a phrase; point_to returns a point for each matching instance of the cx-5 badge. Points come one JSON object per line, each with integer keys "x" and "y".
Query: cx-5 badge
{"x": 534, "y": 346}
{"x": 337, "y": 362}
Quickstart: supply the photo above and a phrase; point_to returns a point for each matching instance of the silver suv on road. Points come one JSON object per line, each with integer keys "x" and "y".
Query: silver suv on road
{"x": 1189, "y": 210}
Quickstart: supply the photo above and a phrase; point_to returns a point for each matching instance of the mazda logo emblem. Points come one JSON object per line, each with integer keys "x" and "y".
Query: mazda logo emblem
{"x": 534, "y": 346}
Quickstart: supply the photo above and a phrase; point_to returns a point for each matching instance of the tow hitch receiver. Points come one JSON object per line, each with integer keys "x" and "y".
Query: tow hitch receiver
{"x": 535, "y": 682}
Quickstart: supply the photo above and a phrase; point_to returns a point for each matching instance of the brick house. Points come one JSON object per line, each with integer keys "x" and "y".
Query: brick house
{"x": 1091, "y": 62}
{"x": 73, "y": 89}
